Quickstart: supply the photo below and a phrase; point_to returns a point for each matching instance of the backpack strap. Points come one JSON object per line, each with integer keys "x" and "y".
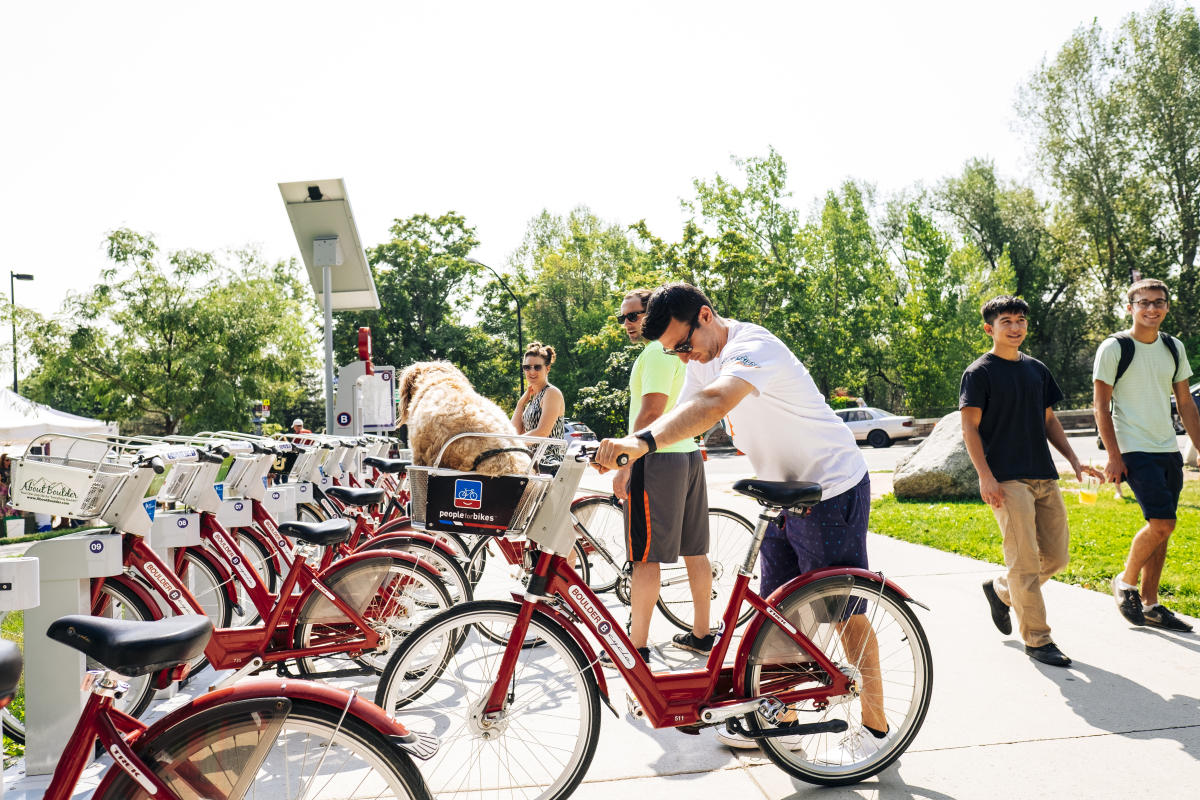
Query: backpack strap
{"x": 1126, "y": 342}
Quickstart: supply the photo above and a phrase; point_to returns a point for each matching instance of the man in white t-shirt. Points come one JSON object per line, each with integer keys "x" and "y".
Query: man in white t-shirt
{"x": 743, "y": 373}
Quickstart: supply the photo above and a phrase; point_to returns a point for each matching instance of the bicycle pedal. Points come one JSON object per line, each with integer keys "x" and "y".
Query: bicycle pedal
{"x": 633, "y": 706}
{"x": 770, "y": 708}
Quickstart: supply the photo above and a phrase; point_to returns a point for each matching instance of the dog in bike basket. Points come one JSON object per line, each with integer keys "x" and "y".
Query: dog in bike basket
{"x": 437, "y": 402}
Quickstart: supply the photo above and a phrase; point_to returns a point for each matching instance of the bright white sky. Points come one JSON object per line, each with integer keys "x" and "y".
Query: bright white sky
{"x": 179, "y": 119}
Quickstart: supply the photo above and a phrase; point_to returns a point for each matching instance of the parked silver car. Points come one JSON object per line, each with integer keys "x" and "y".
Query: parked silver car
{"x": 876, "y": 426}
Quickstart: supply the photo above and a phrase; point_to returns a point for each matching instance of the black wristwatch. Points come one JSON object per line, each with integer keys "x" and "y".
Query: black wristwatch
{"x": 648, "y": 438}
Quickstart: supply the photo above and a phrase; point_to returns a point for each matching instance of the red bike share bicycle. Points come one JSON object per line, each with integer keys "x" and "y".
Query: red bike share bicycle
{"x": 824, "y": 654}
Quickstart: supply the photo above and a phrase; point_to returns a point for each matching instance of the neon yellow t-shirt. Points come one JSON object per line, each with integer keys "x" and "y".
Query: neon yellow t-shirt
{"x": 655, "y": 372}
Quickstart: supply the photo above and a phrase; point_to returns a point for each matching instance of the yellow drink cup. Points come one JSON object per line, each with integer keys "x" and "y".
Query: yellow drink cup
{"x": 1088, "y": 490}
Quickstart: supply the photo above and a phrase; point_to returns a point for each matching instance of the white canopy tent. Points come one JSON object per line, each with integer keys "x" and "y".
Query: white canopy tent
{"x": 23, "y": 420}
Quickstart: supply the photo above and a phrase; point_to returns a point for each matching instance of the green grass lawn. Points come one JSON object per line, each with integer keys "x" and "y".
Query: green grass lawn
{"x": 1100, "y": 537}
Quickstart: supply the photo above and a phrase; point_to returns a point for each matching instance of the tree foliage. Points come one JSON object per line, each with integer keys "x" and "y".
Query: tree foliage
{"x": 176, "y": 344}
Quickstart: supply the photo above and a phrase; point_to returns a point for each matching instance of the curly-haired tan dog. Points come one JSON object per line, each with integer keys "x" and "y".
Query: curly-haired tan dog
{"x": 437, "y": 402}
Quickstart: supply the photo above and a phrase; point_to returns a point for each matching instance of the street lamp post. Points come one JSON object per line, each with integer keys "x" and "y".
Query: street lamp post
{"x": 517, "y": 300}
{"x": 13, "y": 277}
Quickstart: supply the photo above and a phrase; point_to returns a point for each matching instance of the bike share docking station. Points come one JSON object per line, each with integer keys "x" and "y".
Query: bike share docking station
{"x": 84, "y": 479}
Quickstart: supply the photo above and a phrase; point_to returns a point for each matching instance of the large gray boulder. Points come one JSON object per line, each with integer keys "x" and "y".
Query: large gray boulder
{"x": 939, "y": 466}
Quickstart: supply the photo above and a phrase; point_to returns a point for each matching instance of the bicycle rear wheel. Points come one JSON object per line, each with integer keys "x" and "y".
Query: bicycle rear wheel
{"x": 541, "y": 743}
{"x": 729, "y": 535}
{"x": 274, "y": 748}
{"x": 604, "y": 522}
{"x": 869, "y": 632}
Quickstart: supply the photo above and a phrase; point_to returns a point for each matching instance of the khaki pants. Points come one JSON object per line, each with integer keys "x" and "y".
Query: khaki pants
{"x": 1033, "y": 521}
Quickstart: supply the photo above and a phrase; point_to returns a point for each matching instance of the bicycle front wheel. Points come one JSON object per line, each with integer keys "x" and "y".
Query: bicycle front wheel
{"x": 869, "y": 632}
{"x": 273, "y": 749}
{"x": 729, "y": 536}
{"x": 604, "y": 522}
{"x": 538, "y": 746}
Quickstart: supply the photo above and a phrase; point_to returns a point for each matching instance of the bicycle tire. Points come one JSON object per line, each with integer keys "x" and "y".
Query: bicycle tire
{"x": 605, "y": 522}
{"x": 262, "y": 561}
{"x": 205, "y": 584}
{"x": 823, "y": 611}
{"x": 729, "y": 534}
{"x": 438, "y": 677}
{"x": 389, "y": 592}
{"x": 336, "y": 751}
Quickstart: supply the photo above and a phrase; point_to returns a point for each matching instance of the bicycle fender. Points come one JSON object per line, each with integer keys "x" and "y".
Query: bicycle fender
{"x": 385, "y": 541}
{"x": 398, "y": 524}
{"x": 758, "y": 620}
{"x": 267, "y": 690}
{"x": 138, "y": 588}
{"x": 586, "y": 646}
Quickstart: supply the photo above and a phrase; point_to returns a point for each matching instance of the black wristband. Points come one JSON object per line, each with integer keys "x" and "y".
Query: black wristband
{"x": 648, "y": 438}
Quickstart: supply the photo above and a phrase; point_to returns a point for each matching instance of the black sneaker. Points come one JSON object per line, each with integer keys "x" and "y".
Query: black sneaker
{"x": 605, "y": 661}
{"x": 1129, "y": 602}
{"x": 697, "y": 644}
{"x": 999, "y": 611}
{"x": 1048, "y": 654}
{"x": 1159, "y": 616}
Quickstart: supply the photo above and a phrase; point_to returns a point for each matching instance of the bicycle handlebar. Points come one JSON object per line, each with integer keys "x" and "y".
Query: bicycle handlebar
{"x": 590, "y": 450}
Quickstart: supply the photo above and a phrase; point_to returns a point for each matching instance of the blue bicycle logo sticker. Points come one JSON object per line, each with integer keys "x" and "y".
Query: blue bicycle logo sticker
{"x": 468, "y": 494}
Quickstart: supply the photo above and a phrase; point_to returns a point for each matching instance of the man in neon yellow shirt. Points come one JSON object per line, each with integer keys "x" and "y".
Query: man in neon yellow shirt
{"x": 664, "y": 494}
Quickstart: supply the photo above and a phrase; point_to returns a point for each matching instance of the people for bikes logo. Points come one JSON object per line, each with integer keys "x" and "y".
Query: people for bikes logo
{"x": 468, "y": 494}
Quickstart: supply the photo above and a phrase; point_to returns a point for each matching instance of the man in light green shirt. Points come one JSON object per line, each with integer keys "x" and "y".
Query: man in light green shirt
{"x": 1133, "y": 417}
{"x": 665, "y": 495}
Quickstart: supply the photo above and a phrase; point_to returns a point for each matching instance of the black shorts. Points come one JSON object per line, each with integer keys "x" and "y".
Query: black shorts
{"x": 666, "y": 515}
{"x": 1156, "y": 480}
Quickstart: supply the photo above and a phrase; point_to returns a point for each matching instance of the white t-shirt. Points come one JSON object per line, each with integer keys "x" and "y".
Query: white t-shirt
{"x": 784, "y": 425}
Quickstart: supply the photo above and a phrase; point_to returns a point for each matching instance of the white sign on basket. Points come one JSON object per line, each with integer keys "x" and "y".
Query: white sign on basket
{"x": 56, "y": 489}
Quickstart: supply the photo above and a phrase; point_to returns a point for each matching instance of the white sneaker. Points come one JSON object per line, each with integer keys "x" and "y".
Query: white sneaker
{"x": 739, "y": 742}
{"x": 858, "y": 745}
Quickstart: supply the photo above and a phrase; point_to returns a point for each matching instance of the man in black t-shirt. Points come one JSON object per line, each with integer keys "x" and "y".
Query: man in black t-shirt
{"x": 1006, "y": 403}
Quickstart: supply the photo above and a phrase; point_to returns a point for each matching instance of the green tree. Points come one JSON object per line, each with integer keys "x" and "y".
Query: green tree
{"x": 178, "y": 346}
{"x": 424, "y": 282}
{"x": 938, "y": 331}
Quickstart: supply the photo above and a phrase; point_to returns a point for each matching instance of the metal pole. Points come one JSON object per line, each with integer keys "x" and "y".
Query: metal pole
{"x": 327, "y": 289}
{"x": 520, "y": 336}
{"x": 12, "y": 298}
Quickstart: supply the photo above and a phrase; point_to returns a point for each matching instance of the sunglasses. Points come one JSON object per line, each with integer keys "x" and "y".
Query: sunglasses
{"x": 532, "y": 367}
{"x": 686, "y": 345}
{"x": 632, "y": 316}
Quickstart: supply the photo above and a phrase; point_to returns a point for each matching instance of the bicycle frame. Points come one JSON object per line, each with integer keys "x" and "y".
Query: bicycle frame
{"x": 673, "y": 699}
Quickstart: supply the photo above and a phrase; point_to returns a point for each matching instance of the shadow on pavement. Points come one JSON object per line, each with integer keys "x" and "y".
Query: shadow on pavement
{"x": 889, "y": 784}
{"x": 1117, "y": 704}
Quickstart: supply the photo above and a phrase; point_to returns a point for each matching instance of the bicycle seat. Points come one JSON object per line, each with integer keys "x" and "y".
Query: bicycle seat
{"x": 780, "y": 494}
{"x": 355, "y": 497}
{"x": 387, "y": 464}
{"x": 10, "y": 670}
{"x": 134, "y": 648}
{"x": 331, "y": 531}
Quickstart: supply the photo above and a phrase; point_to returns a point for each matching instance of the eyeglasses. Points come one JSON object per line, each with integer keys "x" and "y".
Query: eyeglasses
{"x": 686, "y": 345}
{"x": 632, "y": 316}
{"x": 532, "y": 367}
{"x": 1145, "y": 304}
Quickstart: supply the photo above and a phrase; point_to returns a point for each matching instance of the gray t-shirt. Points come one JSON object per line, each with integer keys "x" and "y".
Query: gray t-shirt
{"x": 1142, "y": 398}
